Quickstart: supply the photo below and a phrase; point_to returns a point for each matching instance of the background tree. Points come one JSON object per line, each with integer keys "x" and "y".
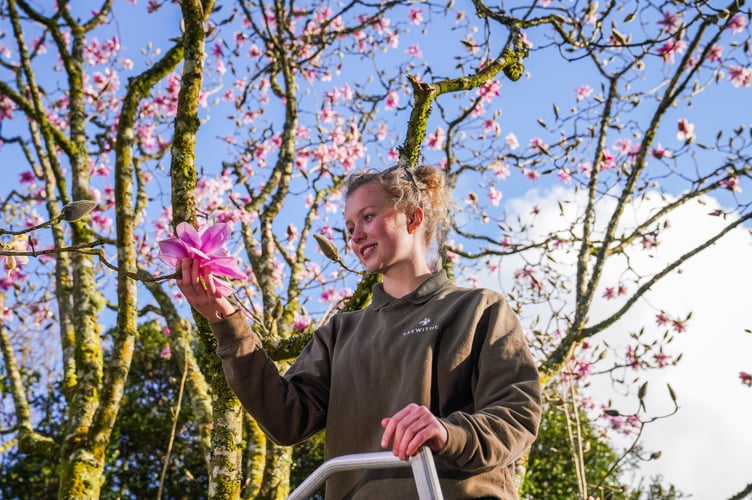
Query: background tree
{"x": 253, "y": 113}
{"x": 150, "y": 422}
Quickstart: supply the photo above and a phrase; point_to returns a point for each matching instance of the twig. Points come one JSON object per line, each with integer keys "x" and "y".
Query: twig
{"x": 88, "y": 249}
{"x": 174, "y": 428}
{"x": 70, "y": 212}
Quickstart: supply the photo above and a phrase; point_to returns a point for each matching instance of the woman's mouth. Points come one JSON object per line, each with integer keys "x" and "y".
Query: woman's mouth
{"x": 367, "y": 250}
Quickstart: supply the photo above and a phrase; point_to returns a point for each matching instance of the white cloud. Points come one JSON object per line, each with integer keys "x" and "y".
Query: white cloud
{"x": 706, "y": 445}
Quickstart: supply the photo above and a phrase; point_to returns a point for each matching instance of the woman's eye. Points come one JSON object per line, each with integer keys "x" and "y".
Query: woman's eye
{"x": 367, "y": 217}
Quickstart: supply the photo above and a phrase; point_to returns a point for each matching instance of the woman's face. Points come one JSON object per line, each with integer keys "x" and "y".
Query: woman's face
{"x": 380, "y": 236}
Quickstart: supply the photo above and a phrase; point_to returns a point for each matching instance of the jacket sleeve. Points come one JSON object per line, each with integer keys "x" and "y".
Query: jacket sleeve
{"x": 506, "y": 394}
{"x": 288, "y": 408}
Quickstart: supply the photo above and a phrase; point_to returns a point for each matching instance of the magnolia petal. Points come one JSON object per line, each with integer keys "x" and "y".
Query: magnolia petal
{"x": 188, "y": 234}
{"x": 214, "y": 237}
{"x": 197, "y": 253}
{"x": 171, "y": 251}
{"x": 222, "y": 287}
{"x": 226, "y": 266}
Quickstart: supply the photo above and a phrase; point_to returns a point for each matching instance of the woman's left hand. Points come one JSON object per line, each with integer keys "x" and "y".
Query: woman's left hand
{"x": 411, "y": 428}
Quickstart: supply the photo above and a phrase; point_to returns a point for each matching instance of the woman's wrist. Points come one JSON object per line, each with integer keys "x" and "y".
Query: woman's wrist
{"x": 220, "y": 315}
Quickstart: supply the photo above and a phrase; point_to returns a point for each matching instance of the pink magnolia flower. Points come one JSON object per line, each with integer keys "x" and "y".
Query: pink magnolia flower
{"x": 662, "y": 359}
{"x": 207, "y": 247}
{"x": 583, "y": 91}
{"x": 679, "y": 325}
{"x": 435, "y": 140}
{"x": 582, "y": 369}
{"x": 414, "y": 51}
{"x": 537, "y": 144}
{"x": 6, "y": 108}
{"x": 661, "y": 318}
{"x": 632, "y": 358}
{"x": 740, "y": 76}
{"x": 670, "y": 22}
{"x": 686, "y": 130}
{"x": 670, "y": 49}
{"x": 530, "y": 174}
{"x": 660, "y": 152}
{"x": 494, "y": 196}
{"x": 732, "y": 184}
{"x": 500, "y": 169}
{"x": 416, "y": 15}
{"x": 737, "y": 24}
{"x": 17, "y": 244}
{"x": 649, "y": 241}
{"x": 715, "y": 53}
{"x": 27, "y": 177}
{"x": 392, "y": 100}
{"x": 166, "y": 352}
{"x": 746, "y": 378}
{"x": 302, "y": 322}
{"x": 489, "y": 90}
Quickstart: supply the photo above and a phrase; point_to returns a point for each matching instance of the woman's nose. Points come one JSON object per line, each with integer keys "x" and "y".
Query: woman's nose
{"x": 357, "y": 234}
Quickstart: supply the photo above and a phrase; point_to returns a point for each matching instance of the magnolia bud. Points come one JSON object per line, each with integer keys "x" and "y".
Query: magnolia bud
{"x": 327, "y": 247}
{"x": 77, "y": 209}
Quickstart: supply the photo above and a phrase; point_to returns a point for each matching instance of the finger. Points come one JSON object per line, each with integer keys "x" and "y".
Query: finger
{"x": 184, "y": 282}
{"x": 411, "y": 437}
{"x": 197, "y": 279}
{"x": 391, "y": 424}
{"x": 424, "y": 431}
{"x": 182, "y": 275}
{"x": 211, "y": 286}
{"x": 196, "y": 273}
{"x": 402, "y": 433}
{"x": 386, "y": 437}
{"x": 398, "y": 426}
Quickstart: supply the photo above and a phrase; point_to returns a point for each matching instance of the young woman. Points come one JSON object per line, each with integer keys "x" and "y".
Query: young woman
{"x": 425, "y": 364}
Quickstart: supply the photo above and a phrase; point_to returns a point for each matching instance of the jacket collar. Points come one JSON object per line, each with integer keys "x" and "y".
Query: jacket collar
{"x": 430, "y": 287}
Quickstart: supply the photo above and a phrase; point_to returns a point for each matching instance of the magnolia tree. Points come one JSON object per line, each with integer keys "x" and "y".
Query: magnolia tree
{"x": 241, "y": 120}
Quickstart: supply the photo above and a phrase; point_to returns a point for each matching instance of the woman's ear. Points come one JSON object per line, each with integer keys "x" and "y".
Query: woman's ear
{"x": 414, "y": 219}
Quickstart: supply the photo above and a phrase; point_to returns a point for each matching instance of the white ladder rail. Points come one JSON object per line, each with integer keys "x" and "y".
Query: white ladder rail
{"x": 424, "y": 472}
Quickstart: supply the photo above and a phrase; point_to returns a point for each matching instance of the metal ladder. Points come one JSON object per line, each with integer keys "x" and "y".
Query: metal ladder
{"x": 424, "y": 472}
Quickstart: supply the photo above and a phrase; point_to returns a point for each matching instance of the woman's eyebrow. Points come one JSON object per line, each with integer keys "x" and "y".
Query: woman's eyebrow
{"x": 360, "y": 211}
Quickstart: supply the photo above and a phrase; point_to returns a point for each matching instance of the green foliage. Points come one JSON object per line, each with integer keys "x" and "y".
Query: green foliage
{"x": 551, "y": 472}
{"x": 306, "y": 457}
{"x": 142, "y": 432}
{"x": 30, "y": 474}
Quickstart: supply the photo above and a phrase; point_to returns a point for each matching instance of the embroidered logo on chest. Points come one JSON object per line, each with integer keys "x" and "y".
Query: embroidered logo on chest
{"x": 425, "y": 325}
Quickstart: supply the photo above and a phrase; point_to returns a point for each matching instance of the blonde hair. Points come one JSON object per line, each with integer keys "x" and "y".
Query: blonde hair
{"x": 424, "y": 187}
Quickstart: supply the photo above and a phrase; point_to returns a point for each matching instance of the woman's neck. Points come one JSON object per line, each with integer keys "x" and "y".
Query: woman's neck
{"x": 405, "y": 283}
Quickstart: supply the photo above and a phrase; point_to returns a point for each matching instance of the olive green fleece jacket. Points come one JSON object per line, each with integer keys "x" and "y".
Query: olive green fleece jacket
{"x": 460, "y": 352}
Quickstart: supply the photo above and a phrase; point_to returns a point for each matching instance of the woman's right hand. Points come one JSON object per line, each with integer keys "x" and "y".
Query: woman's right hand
{"x": 199, "y": 290}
